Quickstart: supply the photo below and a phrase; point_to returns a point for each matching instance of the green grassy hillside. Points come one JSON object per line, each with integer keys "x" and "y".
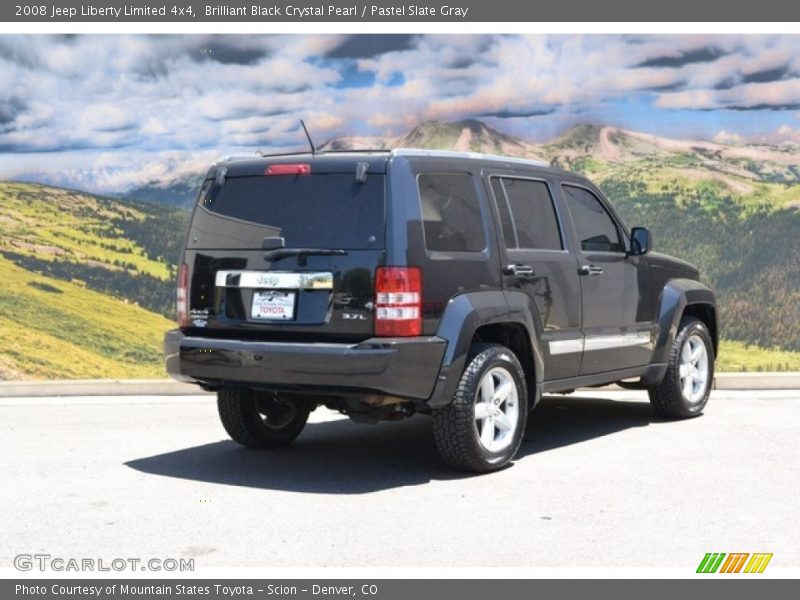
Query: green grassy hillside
{"x": 738, "y": 356}
{"x": 56, "y": 329}
{"x": 750, "y": 254}
{"x": 87, "y": 284}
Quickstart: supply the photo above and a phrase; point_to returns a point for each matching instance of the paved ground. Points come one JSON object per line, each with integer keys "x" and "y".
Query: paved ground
{"x": 599, "y": 482}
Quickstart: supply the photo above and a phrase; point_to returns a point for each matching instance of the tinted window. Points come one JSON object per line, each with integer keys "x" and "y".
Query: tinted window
{"x": 318, "y": 211}
{"x": 528, "y": 208}
{"x": 596, "y": 229}
{"x": 451, "y": 214}
{"x": 509, "y": 235}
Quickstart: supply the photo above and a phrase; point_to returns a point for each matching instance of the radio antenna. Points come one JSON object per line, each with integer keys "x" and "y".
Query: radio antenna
{"x": 310, "y": 142}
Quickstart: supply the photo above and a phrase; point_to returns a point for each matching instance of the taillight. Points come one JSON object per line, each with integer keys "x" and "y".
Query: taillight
{"x": 182, "y": 305}
{"x": 398, "y": 301}
{"x": 292, "y": 169}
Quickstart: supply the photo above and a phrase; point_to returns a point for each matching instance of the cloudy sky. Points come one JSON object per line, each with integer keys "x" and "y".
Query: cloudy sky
{"x": 112, "y": 112}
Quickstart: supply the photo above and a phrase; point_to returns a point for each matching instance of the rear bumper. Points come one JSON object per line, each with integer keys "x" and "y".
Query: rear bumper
{"x": 406, "y": 367}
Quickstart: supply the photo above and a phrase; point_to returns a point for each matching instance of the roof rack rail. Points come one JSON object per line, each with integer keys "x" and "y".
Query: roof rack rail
{"x": 358, "y": 151}
{"x": 240, "y": 156}
{"x": 474, "y": 155}
{"x": 259, "y": 154}
{"x": 396, "y": 152}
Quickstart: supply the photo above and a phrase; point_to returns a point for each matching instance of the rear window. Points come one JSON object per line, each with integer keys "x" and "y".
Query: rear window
{"x": 326, "y": 210}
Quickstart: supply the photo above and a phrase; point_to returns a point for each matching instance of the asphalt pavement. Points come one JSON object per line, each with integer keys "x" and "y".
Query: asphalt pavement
{"x": 599, "y": 482}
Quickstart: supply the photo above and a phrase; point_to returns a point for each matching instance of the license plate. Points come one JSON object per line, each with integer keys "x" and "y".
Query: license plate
{"x": 273, "y": 306}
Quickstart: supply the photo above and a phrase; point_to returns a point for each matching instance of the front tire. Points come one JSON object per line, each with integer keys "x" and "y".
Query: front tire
{"x": 257, "y": 419}
{"x": 686, "y": 386}
{"x": 482, "y": 428}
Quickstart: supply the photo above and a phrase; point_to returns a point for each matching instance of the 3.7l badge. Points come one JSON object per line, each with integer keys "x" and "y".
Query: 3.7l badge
{"x": 354, "y": 316}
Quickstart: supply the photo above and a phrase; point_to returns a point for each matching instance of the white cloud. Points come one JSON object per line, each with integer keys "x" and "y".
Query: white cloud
{"x": 728, "y": 138}
{"x": 785, "y": 134}
{"x": 105, "y": 117}
{"x": 203, "y": 95}
{"x": 777, "y": 94}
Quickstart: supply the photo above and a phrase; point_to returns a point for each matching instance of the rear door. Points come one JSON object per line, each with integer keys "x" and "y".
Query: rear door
{"x": 615, "y": 323}
{"x": 536, "y": 260}
{"x": 287, "y": 252}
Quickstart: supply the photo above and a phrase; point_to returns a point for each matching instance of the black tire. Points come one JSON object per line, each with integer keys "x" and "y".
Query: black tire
{"x": 455, "y": 427}
{"x": 669, "y": 399}
{"x": 260, "y": 419}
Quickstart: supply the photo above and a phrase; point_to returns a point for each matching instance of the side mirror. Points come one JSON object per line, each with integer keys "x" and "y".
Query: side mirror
{"x": 641, "y": 241}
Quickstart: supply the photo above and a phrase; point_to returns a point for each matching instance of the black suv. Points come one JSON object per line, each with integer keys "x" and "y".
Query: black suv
{"x": 459, "y": 285}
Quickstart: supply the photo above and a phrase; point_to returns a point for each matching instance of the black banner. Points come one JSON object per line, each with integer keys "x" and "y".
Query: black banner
{"x": 383, "y": 589}
{"x": 341, "y": 11}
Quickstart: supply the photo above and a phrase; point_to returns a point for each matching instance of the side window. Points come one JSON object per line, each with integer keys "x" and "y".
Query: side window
{"x": 451, "y": 214}
{"x": 509, "y": 235}
{"x": 596, "y": 229}
{"x": 527, "y": 214}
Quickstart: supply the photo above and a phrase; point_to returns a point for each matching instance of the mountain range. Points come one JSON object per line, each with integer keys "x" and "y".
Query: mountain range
{"x": 751, "y": 172}
{"x": 602, "y": 151}
{"x": 733, "y": 210}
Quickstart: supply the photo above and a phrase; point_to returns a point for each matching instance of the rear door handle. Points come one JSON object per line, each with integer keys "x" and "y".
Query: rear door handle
{"x": 590, "y": 270}
{"x": 519, "y": 270}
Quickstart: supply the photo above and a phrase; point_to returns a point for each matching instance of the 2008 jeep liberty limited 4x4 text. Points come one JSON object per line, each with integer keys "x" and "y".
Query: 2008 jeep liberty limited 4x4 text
{"x": 459, "y": 285}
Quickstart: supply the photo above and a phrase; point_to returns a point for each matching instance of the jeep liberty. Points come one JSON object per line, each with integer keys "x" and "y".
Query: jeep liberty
{"x": 458, "y": 285}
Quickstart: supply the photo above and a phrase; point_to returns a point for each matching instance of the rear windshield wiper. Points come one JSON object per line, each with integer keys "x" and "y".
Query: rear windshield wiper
{"x": 301, "y": 253}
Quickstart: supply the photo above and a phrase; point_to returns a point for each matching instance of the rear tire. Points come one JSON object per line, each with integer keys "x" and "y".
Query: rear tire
{"x": 257, "y": 419}
{"x": 482, "y": 428}
{"x": 686, "y": 386}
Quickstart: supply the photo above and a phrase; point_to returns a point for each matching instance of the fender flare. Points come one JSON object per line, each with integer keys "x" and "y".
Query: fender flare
{"x": 462, "y": 317}
{"x": 675, "y": 297}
